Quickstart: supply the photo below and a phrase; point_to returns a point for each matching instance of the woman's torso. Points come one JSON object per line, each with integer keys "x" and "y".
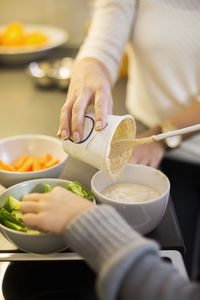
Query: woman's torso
{"x": 164, "y": 70}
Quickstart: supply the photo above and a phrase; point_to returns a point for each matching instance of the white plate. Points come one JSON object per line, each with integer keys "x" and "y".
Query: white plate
{"x": 56, "y": 37}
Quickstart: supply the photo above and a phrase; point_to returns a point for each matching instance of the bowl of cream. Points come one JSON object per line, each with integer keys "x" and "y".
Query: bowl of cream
{"x": 140, "y": 194}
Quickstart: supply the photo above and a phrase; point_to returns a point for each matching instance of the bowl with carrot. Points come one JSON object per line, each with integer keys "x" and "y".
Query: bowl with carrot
{"x": 32, "y": 156}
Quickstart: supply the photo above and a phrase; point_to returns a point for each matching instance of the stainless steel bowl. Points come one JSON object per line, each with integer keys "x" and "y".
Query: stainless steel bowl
{"x": 60, "y": 72}
{"x": 55, "y": 73}
{"x": 38, "y": 72}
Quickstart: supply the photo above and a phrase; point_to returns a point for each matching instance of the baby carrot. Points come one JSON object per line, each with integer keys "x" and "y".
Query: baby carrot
{"x": 36, "y": 165}
{"x": 29, "y": 163}
{"x": 2, "y": 165}
{"x": 20, "y": 161}
{"x": 10, "y": 167}
{"x": 26, "y": 166}
{"x": 52, "y": 163}
{"x": 48, "y": 157}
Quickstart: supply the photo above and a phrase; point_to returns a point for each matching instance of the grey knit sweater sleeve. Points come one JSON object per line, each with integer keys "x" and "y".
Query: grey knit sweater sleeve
{"x": 128, "y": 265}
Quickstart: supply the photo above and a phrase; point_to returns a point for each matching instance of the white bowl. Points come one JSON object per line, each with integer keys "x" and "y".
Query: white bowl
{"x": 142, "y": 216}
{"x": 45, "y": 243}
{"x": 20, "y": 55}
{"x": 32, "y": 144}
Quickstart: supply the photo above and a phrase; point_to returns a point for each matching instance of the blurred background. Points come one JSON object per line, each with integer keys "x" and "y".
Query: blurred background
{"x": 70, "y": 15}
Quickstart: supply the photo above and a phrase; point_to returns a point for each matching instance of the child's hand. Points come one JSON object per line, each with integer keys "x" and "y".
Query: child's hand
{"x": 52, "y": 211}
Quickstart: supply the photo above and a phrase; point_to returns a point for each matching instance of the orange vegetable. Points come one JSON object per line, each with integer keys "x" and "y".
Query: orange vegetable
{"x": 48, "y": 157}
{"x": 7, "y": 167}
{"x": 37, "y": 165}
{"x": 17, "y": 35}
{"x": 10, "y": 167}
{"x": 20, "y": 161}
{"x": 35, "y": 38}
{"x": 29, "y": 163}
{"x": 27, "y": 166}
{"x": 51, "y": 163}
{"x": 2, "y": 165}
{"x": 0, "y": 36}
{"x": 13, "y": 35}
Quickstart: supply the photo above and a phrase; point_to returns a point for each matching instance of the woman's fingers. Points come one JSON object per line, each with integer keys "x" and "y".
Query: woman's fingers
{"x": 156, "y": 159}
{"x": 103, "y": 106}
{"x": 144, "y": 161}
{"x": 73, "y": 112}
{"x": 150, "y": 155}
{"x": 154, "y": 163}
{"x": 89, "y": 84}
{"x": 64, "y": 130}
{"x": 133, "y": 159}
{"x": 78, "y": 112}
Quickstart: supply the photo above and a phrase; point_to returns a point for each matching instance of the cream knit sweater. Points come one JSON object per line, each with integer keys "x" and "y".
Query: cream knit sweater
{"x": 164, "y": 56}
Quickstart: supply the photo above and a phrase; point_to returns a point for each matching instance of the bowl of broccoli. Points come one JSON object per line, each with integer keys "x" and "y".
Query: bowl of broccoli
{"x": 12, "y": 226}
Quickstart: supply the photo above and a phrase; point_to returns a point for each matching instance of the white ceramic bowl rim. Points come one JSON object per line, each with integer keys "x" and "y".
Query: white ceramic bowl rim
{"x": 131, "y": 203}
{"x": 16, "y": 137}
{"x": 31, "y": 136}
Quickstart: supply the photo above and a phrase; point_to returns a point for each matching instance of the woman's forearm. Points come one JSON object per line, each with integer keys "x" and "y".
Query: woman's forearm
{"x": 109, "y": 33}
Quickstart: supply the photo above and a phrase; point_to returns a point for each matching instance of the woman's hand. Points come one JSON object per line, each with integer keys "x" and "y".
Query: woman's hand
{"x": 148, "y": 154}
{"x": 90, "y": 84}
{"x": 52, "y": 211}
